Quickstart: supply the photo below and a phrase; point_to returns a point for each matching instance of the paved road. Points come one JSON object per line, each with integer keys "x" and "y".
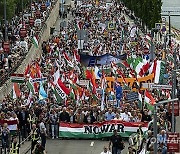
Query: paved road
{"x": 77, "y": 146}
{"x": 58, "y": 146}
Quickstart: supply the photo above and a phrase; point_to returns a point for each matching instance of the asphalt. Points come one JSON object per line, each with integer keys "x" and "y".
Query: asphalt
{"x": 58, "y": 146}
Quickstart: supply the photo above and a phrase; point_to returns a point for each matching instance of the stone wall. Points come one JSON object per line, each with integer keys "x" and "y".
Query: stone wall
{"x": 33, "y": 52}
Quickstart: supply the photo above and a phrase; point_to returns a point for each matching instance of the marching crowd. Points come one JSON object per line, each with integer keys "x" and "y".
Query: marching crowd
{"x": 38, "y": 108}
{"x": 20, "y": 31}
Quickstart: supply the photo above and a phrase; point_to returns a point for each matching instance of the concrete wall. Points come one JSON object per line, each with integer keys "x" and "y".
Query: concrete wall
{"x": 33, "y": 52}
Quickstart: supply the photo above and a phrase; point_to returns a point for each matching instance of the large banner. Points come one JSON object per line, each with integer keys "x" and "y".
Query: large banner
{"x": 99, "y": 130}
{"x": 131, "y": 82}
{"x": 105, "y": 59}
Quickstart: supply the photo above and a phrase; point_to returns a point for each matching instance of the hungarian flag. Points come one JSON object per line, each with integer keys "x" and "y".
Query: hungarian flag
{"x": 16, "y": 93}
{"x": 30, "y": 86}
{"x": 72, "y": 94}
{"x": 149, "y": 100}
{"x": 68, "y": 61}
{"x": 61, "y": 89}
{"x": 17, "y": 78}
{"x": 76, "y": 55}
{"x": 157, "y": 68}
{"x": 35, "y": 41}
{"x": 141, "y": 66}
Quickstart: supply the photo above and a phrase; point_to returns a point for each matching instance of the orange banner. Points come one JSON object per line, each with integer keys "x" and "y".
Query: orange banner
{"x": 131, "y": 82}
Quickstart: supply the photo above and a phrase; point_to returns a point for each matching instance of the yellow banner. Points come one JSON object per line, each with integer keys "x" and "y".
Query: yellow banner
{"x": 131, "y": 82}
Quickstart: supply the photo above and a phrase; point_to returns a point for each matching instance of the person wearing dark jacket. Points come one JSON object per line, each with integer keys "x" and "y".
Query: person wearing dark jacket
{"x": 64, "y": 116}
{"x": 89, "y": 118}
{"x": 23, "y": 121}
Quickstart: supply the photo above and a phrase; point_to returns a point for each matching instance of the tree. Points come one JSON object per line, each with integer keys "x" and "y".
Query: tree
{"x": 149, "y": 11}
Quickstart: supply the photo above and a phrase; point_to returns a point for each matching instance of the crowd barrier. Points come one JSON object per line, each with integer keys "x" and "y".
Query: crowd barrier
{"x": 99, "y": 130}
{"x": 34, "y": 52}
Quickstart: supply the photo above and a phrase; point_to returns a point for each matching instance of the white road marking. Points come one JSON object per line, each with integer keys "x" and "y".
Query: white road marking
{"x": 92, "y": 143}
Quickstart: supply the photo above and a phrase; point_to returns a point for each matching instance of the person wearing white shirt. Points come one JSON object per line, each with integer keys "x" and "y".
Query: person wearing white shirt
{"x": 106, "y": 151}
{"x": 126, "y": 115}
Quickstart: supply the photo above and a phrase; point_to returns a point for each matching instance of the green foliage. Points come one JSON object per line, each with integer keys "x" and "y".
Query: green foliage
{"x": 12, "y": 7}
{"x": 147, "y": 10}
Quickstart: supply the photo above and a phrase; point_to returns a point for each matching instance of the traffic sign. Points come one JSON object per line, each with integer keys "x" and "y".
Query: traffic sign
{"x": 163, "y": 19}
{"x": 155, "y": 86}
{"x": 158, "y": 26}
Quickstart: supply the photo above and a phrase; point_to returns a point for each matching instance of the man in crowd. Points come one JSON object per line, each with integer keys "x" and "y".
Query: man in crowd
{"x": 35, "y": 136}
{"x": 116, "y": 142}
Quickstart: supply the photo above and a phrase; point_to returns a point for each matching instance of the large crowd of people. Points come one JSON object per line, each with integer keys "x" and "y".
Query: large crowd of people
{"x": 19, "y": 34}
{"x": 39, "y": 105}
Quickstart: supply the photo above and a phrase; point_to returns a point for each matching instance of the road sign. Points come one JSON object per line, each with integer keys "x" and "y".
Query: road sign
{"x": 163, "y": 19}
{"x": 158, "y": 26}
{"x": 173, "y": 142}
{"x": 155, "y": 86}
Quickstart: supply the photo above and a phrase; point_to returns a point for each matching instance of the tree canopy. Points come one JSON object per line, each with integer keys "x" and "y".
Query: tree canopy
{"x": 149, "y": 11}
{"x": 13, "y": 7}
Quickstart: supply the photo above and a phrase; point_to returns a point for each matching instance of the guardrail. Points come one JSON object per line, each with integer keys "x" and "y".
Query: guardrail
{"x": 33, "y": 53}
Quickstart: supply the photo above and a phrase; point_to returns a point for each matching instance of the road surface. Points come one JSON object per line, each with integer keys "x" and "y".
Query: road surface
{"x": 58, "y": 146}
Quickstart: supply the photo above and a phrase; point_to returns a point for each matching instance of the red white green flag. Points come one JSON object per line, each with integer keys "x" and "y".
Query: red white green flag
{"x": 99, "y": 130}
{"x": 17, "y": 78}
{"x": 16, "y": 93}
{"x": 149, "y": 100}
